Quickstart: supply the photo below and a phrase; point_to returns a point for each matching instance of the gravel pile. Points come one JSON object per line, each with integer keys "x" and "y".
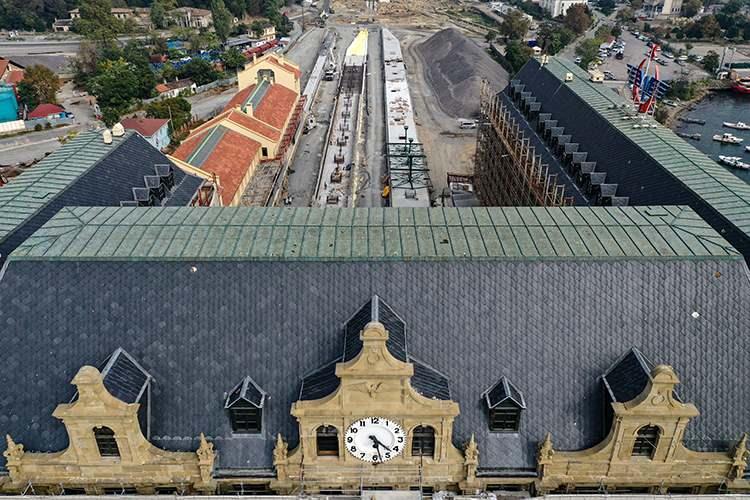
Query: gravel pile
{"x": 454, "y": 67}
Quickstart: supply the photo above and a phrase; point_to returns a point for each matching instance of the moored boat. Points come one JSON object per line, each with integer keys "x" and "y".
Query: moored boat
{"x": 742, "y": 86}
{"x": 737, "y": 125}
{"x": 727, "y": 138}
{"x": 734, "y": 162}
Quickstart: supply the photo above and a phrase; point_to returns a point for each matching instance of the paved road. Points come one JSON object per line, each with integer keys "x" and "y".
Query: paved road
{"x": 208, "y": 105}
{"x": 372, "y": 165}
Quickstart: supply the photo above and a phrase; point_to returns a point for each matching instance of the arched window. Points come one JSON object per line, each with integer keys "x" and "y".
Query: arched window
{"x": 106, "y": 442}
{"x": 327, "y": 440}
{"x": 423, "y": 441}
{"x": 646, "y": 441}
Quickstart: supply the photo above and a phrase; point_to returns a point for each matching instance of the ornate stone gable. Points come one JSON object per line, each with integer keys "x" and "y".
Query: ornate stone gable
{"x": 130, "y": 461}
{"x": 374, "y": 383}
{"x": 644, "y": 448}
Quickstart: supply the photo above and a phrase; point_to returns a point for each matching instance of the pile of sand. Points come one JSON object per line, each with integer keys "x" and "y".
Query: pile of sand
{"x": 455, "y": 67}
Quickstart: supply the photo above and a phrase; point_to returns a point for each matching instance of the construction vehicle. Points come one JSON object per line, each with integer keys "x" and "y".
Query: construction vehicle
{"x": 331, "y": 67}
{"x": 310, "y": 123}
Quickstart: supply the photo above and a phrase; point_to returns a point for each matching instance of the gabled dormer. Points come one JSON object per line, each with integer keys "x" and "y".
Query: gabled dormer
{"x": 245, "y": 406}
{"x": 505, "y": 404}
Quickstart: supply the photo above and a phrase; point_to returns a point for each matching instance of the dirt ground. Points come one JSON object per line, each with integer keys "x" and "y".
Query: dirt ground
{"x": 448, "y": 148}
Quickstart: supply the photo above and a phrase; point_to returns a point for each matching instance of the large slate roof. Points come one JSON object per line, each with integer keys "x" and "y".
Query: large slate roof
{"x": 649, "y": 163}
{"x": 84, "y": 172}
{"x": 199, "y": 324}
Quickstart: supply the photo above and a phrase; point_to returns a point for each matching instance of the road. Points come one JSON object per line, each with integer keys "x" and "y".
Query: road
{"x": 210, "y": 104}
{"x": 372, "y": 166}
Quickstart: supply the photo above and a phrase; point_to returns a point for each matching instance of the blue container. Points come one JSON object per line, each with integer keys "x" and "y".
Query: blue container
{"x": 8, "y": 104}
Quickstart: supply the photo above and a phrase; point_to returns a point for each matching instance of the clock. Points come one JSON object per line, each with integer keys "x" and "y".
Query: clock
{"x": 375, "y": 439}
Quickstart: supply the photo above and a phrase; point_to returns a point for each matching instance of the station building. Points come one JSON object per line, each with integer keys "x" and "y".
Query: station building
{"x": 258, "y": 126}
{"x": 239, "y": 350}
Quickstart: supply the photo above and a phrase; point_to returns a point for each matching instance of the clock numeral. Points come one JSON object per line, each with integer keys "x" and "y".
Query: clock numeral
{"x": 375, "y": 420}
{"x": 362, "y": 455}
{"x": 395, "y": 448}
{"x": 354, "y": 449}
{"x": 354, "y": 430}
{"x": 400, "y": 439}
{"x": 387, "y": 454}
{"x": 362, "y": 423}
{"x": 349, "y": 439}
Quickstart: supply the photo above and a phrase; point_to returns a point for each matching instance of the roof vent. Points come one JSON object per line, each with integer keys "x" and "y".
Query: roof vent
{"x": 411, "y": 194}
{"x": 107, "y": 137}
{"x": 568, "y": 77}
{"x": 118, "y": 130}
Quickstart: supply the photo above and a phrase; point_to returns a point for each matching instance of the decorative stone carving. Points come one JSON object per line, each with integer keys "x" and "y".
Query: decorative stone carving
{"x": 13, "y": 455}
{"x": 206, "y": 457}
{"x": 280, "y": 456}
{"x": 739, "y": 460}
{"x": 140, "y": 464}
{"x": 374, "y": 383}
{"x": 610, "y": 463}
{"x": 471, "y": 458}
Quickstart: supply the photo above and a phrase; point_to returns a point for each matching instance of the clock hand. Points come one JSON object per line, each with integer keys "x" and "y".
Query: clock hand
{"x": 381, "y": 444}
{"x": 376, "y": 444}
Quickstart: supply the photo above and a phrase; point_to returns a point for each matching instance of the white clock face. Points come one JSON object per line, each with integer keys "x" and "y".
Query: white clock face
{"x": 375, "y": 439}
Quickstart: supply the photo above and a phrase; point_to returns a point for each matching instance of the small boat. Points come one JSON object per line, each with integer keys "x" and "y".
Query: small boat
{"x": 737, "y": 125}
{"x": 734, "y": 162}
{"x": 747, "y": 148}
{"x": 727, "y": 138}
{"x": 697, "y": 121}
{"x": 695, "y": 137}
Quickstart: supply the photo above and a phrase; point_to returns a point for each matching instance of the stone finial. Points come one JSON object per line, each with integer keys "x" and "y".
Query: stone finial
{"x": 13, "y": 451}
{"x": 206, "y": 457}
{"x": 545, "y": 449}
{"x": 89, "y": 383}
{"x": 471, "y": 451}
{"x": 280, "y": 451}
{"x": 739, "y": 460}
{"x": 374, "y": 330}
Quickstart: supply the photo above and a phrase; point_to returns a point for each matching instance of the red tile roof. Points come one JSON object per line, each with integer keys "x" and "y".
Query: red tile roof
{"x": 177, "y": 84}
{"x": 230, "y": 159}
{"x": 14, "y": 77}
{"x": 44, "y": 110}
{"x": 255, "y": 125}
{"x": 277, "y": 105}
{"x": 144, "y": 126}
{"x": 239, "y": 98}
{"x": 285, "y": 65}
{"x": 3, "y": 66}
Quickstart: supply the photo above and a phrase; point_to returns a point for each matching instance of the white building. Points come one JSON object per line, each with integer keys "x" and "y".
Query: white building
{"x": 560, "y": 7}
{"x": 659, "y": 8}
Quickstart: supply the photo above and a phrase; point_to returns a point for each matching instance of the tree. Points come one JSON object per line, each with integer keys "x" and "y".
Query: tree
{"x": 587, "y": 50}
{"x": 159, "y": 15}
{"x": 516, "y": 53}
{"x": 688, "y": 47}
{"x": 490, "y": 36}
{"x": 710, "y": 27}
{"x": 636, "y": 4}
{"x": 607, "y": 6}
{"x": 625, "y": 15}
{"x": 199, "y": 71}
{"x": 97, "y": 22}
{"x": 732, "y": 7}
{"x": 233, "y": 59}
{"x": 690, "y": 8}
{"x": 711, "y": 62}
{"x": 577, "y": 18}
{"x": 115, "y": 87}
{"x": 137, "y": 56}
{"x": 39, "y": 86}
{"x": 222, "y": 19}
{"x": 616, "y": 31}
{"x": 176, "y": 109}
{"x": 553, "y": 37}
{"x": 514, "y": 25}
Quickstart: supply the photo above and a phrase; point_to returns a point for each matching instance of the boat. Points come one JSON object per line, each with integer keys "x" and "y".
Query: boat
{"x": 697, "y": 121}
{"x": 747, "y": 148}
{"x": 742, "y": 86}
{"x": 695, "y": 137}
{"x": 734, "y": 162}
{"x": 727, "y": 138}
{"x": 737, "y": 125}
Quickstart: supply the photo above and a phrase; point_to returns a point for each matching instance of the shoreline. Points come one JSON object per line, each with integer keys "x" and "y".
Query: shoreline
{"x": 684, "y": 107}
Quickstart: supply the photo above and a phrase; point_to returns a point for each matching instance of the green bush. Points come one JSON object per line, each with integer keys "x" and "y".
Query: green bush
{"x": 38, "y": 127}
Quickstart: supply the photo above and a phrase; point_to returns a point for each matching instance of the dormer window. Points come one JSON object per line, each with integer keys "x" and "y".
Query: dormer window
{"x": 505, "y": 404}
{"x": 245, "y": 406}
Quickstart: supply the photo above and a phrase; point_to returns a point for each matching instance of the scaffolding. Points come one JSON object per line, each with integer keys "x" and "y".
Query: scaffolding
{"x": 508, "y": 171}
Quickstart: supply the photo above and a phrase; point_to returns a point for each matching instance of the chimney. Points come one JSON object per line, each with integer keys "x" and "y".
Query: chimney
{"x": 255, "y": 57}
{"x": 249, "y": 110}
{"x": 107, "y": 136}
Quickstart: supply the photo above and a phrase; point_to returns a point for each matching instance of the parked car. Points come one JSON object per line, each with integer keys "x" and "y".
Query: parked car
{"x": 608, "y": 75}
{"x": 682, "y": 58}
{"x": 619, "y": 55}
{"x": 578, "y": 60}
{"x": 668, "y": 55}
